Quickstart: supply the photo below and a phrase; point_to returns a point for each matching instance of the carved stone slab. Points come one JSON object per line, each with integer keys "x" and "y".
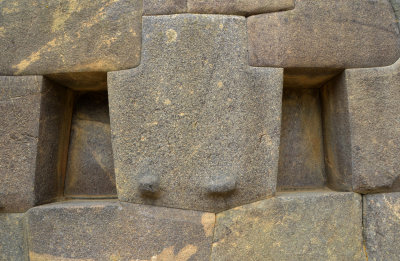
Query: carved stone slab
{"x": 194, "y": 126}
{"x": 292, "y": 226}
{"x": 32, "y": 112}
{"x": 101, "y": 230}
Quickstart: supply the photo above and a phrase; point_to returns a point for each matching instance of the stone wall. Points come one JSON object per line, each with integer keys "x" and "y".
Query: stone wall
{"x": 199, "y": 130}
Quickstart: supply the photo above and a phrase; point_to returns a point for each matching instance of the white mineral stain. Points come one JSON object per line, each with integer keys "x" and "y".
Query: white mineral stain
{"x": 171, "y": 35}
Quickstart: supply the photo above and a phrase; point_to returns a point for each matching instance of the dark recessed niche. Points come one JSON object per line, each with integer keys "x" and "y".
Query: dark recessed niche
{"x": 305, "y": 120}
{"x": 90, "y": 164}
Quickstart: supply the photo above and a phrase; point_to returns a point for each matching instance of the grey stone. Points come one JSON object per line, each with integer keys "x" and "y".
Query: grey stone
{"x": 194, "y": 111}
{"x": 301, "y": 161}
{"x": 90, "y": 168}
{"x": 164, "y": 7}
{"x": 396, "y": 8}
{"x": 382, "y": 226}
{"x": 101, "y": 230}
{"x": 31, "y": 136}
{"x": 326, "y": 34}
{"x": 292, "y": 226}
{"x": 12, "y": 237}
{"x": 363, "y": 131}
{"x": 238, "y": 7}
{"x": 69, "y": 36}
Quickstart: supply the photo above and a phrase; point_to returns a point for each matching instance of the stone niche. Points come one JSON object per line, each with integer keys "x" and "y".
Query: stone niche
{"x": 55, "y": 140}
{"x": 340, "y": 130}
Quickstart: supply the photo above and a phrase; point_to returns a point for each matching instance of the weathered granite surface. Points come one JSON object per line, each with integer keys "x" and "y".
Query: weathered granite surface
{"x": 97, "y": 230}
{"x": 396, "y": 8}
{"x": 12, "y": 237}
{"x": 32, "y": 110}
{"x": 90, "y": 168}
{"x": 293, "y": 226}
{"x": 327, "y": 34}
{"x": 238, "y": 7}
{"x": 364, "y": 108}
{"x": 164, "y": 7}
{"x": 194, "y": 126}
{"x": 301, "y": 160}
{"x": 43, "y": 37}
{"x": 229, "y": 7}
{"x": 382, "y": 226}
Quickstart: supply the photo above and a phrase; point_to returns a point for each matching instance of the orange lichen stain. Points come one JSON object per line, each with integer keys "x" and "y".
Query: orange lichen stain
{"x": 35, "y": 56}
{"x": 168, "y": 254}
{"x": 62, "y": 14}
{"x": 208, "y": 221}
{"x": 46, "y": 257}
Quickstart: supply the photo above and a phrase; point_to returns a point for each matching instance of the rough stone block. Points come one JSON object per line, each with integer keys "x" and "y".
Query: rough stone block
{"x": 194, "y": 126}
{"x": 117, "y": 231}
{"x": 363, "y": 130}
{"x": 238, "y": 7}
{"x": 43, "y": 37}
{"x": 32, "y": 110}
{"x": 164, "y": 7}
{"x": 12, "y": 237}
{"x": 396, "y": 8}
{"x": 382, "y": 226}
{"x": 90, "y": 168}
{"x": 293, "y": 226}
{"x": 301, "y": 161}
{"x": 327, "y": 34}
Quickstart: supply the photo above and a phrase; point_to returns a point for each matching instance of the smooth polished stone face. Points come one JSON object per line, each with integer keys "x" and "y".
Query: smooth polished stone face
{"x": 31, "y": 125}
{"x": 45, "y": 37}
{"x": 101, "y": 230}
{"x": 194, "y": 126}
{"x": 326, "y": 34}
{"x": 363, "y": 106}
{"x": 292, "y": 226}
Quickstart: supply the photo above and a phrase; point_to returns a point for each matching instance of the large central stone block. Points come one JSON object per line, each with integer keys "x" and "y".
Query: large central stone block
{"x": 194, "y": 126}
{"x": 101, "y": 230}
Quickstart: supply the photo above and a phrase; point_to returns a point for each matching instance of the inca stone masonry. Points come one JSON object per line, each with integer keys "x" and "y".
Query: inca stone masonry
{"x": 163, "y": 130}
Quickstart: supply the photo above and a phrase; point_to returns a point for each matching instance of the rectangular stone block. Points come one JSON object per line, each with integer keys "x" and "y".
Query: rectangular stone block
{"x": 90, "y": 168}
{"x": 301, "y": 160}
{"x": 238, "y": 7}
{"x": 382, "y": 226}
{"x": 363, "y": 131}
{"x": 292, "y": 226}
{"x": 12, "y": 237}
{"x": 32, "y": 110}
{"x": 327, "y": 34}
{"x": 194, "y": 126}
{"x": 44, "y": 37}
{"x": 101, "y": 230}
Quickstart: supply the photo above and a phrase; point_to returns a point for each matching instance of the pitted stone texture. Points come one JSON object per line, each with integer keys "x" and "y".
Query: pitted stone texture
{"x": 293, "y": 226}
{"x": 382, "y": 226}
{"x": 69, "y": 36}
{"x": 164, "y": 7}
{"x": 238, "y": 7}
{"x": 327, "y": 34}
{"x": 396, "y": 8}
{"x": 365, "y": 110}
{"x": 118, "y": 231}
{"x": 90, "y": 168}
{"x": 301, "y": 161}
{"x": 194, "y": 114}
{"x": 30, "y": 127}
{"x": 12, "y": 237}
